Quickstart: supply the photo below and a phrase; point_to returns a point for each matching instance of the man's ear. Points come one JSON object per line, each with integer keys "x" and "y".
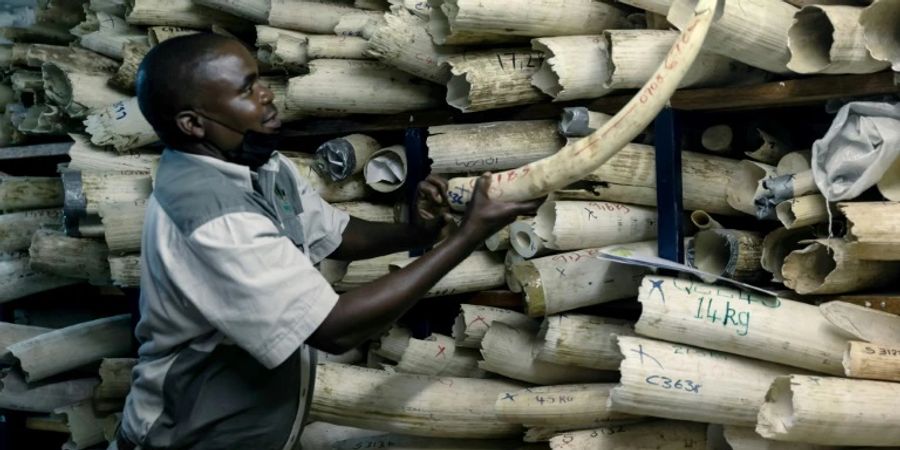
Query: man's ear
{"x": 191, "y": 124}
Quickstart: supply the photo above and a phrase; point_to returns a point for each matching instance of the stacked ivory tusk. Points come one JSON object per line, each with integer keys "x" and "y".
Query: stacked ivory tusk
{"x": 536, "y": 362}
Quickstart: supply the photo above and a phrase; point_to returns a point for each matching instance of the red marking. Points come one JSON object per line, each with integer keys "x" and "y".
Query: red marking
{"x": 479, "y": 319}
{"x": 441, "y": 350}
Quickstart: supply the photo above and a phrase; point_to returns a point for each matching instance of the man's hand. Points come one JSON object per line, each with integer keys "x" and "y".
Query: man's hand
{"x": 432, "y": 205}
{"x": 485, "y": 216}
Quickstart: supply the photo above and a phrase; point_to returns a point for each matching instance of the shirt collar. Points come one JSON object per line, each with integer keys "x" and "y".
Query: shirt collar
{"x": 239, "y": 174}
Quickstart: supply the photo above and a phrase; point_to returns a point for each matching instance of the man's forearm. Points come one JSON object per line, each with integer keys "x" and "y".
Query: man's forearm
{"x": 363, "y": 312}
{"x": 363, "y": 239}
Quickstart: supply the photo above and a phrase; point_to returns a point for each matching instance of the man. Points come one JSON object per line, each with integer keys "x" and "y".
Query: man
{"x": 230, "y": 296}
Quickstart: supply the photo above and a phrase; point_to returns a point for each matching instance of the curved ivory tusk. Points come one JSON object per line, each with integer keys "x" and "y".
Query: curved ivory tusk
{"x": 582, "y": 340}
{"x": 416, "y": 405}
{"x": 511, "y": 352}
{"x": 461, "y": 148}
{"x": 747, "y": 185}
{"x": 319, "y": 16}
{"x": 64, "y": 349}
{"x": 576, "y": 160}
{"x": 574, "y": 67}
{"x": 872, "y": 361}
{"x": 11, "y": 333}
{"x": 87, "y": 191}
{"x": 687, "y": 383}
{"x": 572, "y": 225}
{"x": 86, "y": 428}
{"x": 738, "y": 322}
{"x": 358, "y": 24}
{"x": 393, "y": 343}
{"x": 402, "y": 41}
{"x": 663, "y": 435}
{"x": 76, "y": 92}
{"x": 66, "y": 58}
{"x": 473, "y": 321}
{"x": 86, "y": 157}
{"x": 563, "y": 407}
{"x": 568, "y": 281}
{"x": 800, "y": 408}
{"x": 370, "y": 211}
{"x": 754, "y": 32}
{"x": 109, "y": 35}
{"x": 635, "y": 54}
{"x": 827, "y": 267}
{"x": 829, "y": 39}
{"x": 498, "y": 241}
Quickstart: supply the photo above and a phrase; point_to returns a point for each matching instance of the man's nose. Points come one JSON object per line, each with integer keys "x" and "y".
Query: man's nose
{"x": 266, "y": 96}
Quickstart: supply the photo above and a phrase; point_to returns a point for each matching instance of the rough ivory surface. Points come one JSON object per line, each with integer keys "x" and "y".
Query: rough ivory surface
{"x": 829, "y": 39}
{"x": 524, "y": 241}
{"x": 660, "y": 435}
{"x": 511, "y": 352}
{"x": 66, "y": 348}
{"x": 681, "y": 382}
{"x": 122, "y": 225}
{"x": 364, "y": 271}
{"x": 802, "y": 211}
{"x": 178, "y": 13}
{"x": 353, "y": 188}
{"x": 18, "y": 279}
{"x": 778, "y": 244}
{"x": 572, "y": 225}
{"x": 391, "y": 160}
{"x": 879, "y": 24}
{"x": 754, "y": 32}
{"x": 55, "y": 253}
{"x": 574, "y": 67}
{"x": 568, "y": 406}
{"x": 635, "y": 54}
{"x": 393, "y": 343}
{"x": 522, "y": 18}
{"x": 120, "y": 126}
{"x": 102, "y": 188}
{"x": 402, "y": 41}
{"x": 582, "y": 340}
{"x": 11, "y": 333}
{"x": 77, "y": 93}
{"x": 85, "y": 426}
{"x": 87, "y": 157}
{"x": 415, "y": 405}
{"x": 369, "y": 211}
{"x": 745, "y": 438}
{"x": 16, "y": 228}
{"x": 732, "y": 253}
{"x": 567, "y": 281}
{"x": 742, "y": 323}
{"x": 317, "y": 16}
{"x": 125, "y": 270}
{"x": 342, "y": 86}
{"x": 68, "y": 58}
{"x": 863, "y": 323}
{"x": 826, "y": 266}
{"x": 473, "y": 322}
{"x": 815, "y": 410}
{"x": 18, "y": 193}
{"x": 17, "y": 395}
{"x": 461, "y": 148}
{"x": 492, "y": 79}
{"x": 872, "y": 361}
{"x": 747, "y": 184}
{"x": 873, "y": 228}
{"x": 705, "y": 178}
{"x": 438, "y": 355}
{"x": 108, "y": 33}
{"x": 478, "y": 272}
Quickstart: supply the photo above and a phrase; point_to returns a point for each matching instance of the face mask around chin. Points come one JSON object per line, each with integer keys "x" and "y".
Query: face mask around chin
{"x": 256, "y": 148}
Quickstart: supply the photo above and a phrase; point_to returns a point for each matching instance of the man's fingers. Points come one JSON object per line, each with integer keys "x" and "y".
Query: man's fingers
{"x": 431, "y": 192}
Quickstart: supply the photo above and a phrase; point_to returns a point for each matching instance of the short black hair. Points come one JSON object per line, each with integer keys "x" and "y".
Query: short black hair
{"x": 168, "y": 77}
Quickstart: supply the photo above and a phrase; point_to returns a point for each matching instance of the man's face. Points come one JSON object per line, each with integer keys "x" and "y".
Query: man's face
{"x": 230, "y": 93}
